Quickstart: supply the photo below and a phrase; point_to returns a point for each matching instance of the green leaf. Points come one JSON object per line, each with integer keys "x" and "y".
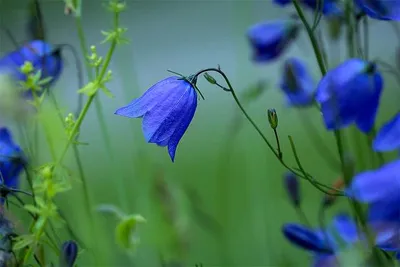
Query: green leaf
{"x": 23, "y": 241}
{"x": 89, "y": 89}
{"x": 125, "y": 229}
{"x": 107, "y": 92}
{"x": 108, "y": 208}
{"x": 32, "y": 209}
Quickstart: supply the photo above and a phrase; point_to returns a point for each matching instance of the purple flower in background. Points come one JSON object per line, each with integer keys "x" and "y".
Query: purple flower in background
{"x": 321, "y": 243}
{"x": 388, "y": 137}
{"x": 12, "y": 159}
{"x": 42, "y": 57}
{"x": 350, "y": 93}
{"x": 270, "y": 39}
{"x": 380, "y": 9}
{"x": 329, "y": 7}
{"x": 297, "y": 83}
{"x": 69, "y": 253}
{"x": 291, "y": 183}
{"x": 167, "y": 109}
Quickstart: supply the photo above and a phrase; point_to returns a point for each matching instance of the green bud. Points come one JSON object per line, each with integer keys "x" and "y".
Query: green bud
{"x": 27, "y": 67}
{"x": 272, "y": 118}
{"x": 210, "y": 78}
{"x": 47, "y": 172}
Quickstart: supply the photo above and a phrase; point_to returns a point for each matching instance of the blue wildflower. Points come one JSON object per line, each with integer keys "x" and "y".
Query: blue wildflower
{"x": 350, "y": 93}
{"x": 42, "y": 57}
{"x": 11, "y": 159}
{"x": 329, "y": 7}
{"x": 69, "y": 252}
{"x": 388, "y": 137}
{"x": 167, "y": 109}
{"x": 376, "y": 185}
{"x": 380, "y": 9}
{"x": 321, "y": 243}
{"x": 292, "y": 186}
{"x": 297, "y": 83}
{"x": 271, "y": 38}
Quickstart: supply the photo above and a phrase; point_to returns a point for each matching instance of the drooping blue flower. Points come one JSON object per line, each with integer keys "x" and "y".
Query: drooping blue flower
{"x": 297, "y": 83}
{"x": 12, "y": 159}
{"x": 270, "y": 39}
{"x": 42, "y": 57}
{"x": 388, "y": 137}
{"x": 376, "y": 185}
{"x": 167, "y": 109}
{"x": 69, "y": 253}
{"x": 329, "y": 7}
{"x": 380, "y": 9}
{"x": 322, "y": 243}
{"x": 292, "y": 186}
{"x": 350, "y": 93}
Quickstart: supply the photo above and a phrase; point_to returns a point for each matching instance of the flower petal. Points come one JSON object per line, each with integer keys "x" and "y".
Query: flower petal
{"x": 183, "y": 125}
{"x": 388, "y": 137}
{"x": 346, "y": 228}
{"x": 160, "y": 122}
{"x": 154, "y": 95}
{"x": 376, "y": 185}
{"x": 305, "y": 238}
{"x": 380, "y": 9}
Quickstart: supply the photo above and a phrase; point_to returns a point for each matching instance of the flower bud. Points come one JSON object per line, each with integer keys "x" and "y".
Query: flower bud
{"x": 210, "y": 78}
{"x": 292, "y": 187}
{"x": 27, "y": 67}
{"x": 272, "y": 118}
{"x": 69, "y": 252}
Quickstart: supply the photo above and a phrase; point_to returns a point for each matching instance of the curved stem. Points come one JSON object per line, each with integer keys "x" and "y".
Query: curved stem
{"x": 238, "y": 103}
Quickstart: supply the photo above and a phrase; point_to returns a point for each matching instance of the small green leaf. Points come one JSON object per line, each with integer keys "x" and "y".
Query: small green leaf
{"x": 125, "y": 229}
{"x": 23, "y": 241}
{"x": 108, "y": 208}
{"x": 89, "y": 89}
{"x": 107, "y": 92}
{"x": 32, "y": 209}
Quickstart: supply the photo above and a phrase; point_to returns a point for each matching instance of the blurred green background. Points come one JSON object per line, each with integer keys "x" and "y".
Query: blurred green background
{"x": 233, "y": 173}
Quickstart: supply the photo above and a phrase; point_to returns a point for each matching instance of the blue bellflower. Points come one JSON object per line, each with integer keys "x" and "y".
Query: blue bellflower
{"x": 167, "y": 109}
{"x": 271, "y": 38}
{"x": 329, "y": 7}
{"x": 297, "y": 83}
{"x": 388, "y": 137}
{"x": 42, "y": 57}
{"x": 380, "y": 9}
{"x": 321, "y": 243}
{"x": 12, "y": 159}
{"x": 350, "y": 93}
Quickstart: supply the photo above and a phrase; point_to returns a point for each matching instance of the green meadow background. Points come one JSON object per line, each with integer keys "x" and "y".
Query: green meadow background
{"x": 229, "y": 173}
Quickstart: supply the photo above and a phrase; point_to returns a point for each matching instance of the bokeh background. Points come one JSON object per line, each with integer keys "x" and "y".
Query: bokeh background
{"x": 227, "y": 173}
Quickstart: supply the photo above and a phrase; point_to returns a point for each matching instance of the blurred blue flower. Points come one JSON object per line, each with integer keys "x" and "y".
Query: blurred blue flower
{"x": 292, "y": 186}
{"x": 376, "y": 185}
{"x": 42, "y": 57}
{"x": 380, "y": 9}
{"x": 167, "y": 109}
{"x": 388, "y": 137}
{"x": 12, "y": 159}
{"x": 350, "y": 93}
{"x": 297, "y": 83}
{"x": 271, "y": 38}
{"x": 329, "y": 7}
{"x": 321, "y": 243}
{"x": 69, "y": 252}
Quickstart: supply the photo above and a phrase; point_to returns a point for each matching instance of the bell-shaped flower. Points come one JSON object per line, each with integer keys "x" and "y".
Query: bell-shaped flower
{"x": 376, "y": 185}
{"x": 380, "y": 9}
{"x": 350, "y": 93}
{"x": 270, "y": 39}
{"x": 329, "y": 7}
{"x": 388, "y": 137}
{"x": 297, "y": 83}
{"x": 42, "y": 57}
{"x": 167, "y": 109}
{"x": 12, "y": 159}
{"x": 69, "y": 253}
{"x": 322, "y": 243}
